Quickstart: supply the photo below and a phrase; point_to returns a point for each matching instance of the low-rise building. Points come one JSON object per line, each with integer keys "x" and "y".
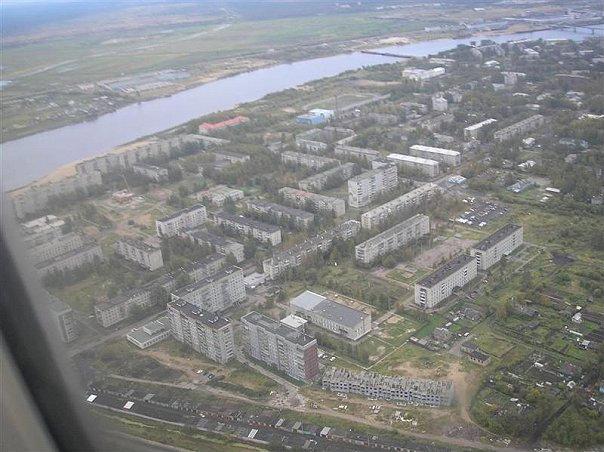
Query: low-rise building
{"x": 473, "y": 132}
{"x": 261, "y": 231}
{"x": 218, "y": 243}
{"x": 421, "y": 75}
{"x": 331, "y": 315}
{"x": 206, "y": 333}
{"x": 205, "y": 267}
{"x": 208, "y": 127}
{"x": 150, "y": 333}
{"x": 446, "y": 156}
{"x": 279, "y": 345}
{"x": 151, "y": 172}
{"x": 314, "y": 201}
{"x": 120, "y": 308}
{"x": 526, "y": 125}
{"x": 63, "y": 318}
{"x": 364, "y": 188}
{"x": 490, "y": 250}
{"x": 360, "y": 153}
{"x": 428, "y": 167}
{"x": 188, "y": 218}
{"x": 337, "y": 175}
{"x": 147, "y": 256}
{"x": 392, "y": 239}
{"x": 89, "y": 253}
{"x": 440, "y": 284}
{"x": 276, "y": 212}
{"x": 55, "y": 247}
{"x": 219, "y": 194}
{"x": 377, "y": 386}
{"x": 315, "y": 162}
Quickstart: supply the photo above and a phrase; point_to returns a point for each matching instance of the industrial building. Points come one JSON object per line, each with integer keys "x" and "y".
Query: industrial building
{"x": 314, "y": 201}
{"x": 490, "y": 250}
{"x": 446, "y": 156}
{"x": 147, "y": 256}
{"x": 218, "y": 243}
{"x": 392, "y": 239}
{"x": 89, "y": 253}
{"x": 205, "y": 267}
{"x": 264, "y": 232}
{"x": 364, "y": 188}
{"x": 318, "y": 182}
{"x": 151, "y": 333}
{"x": 472, "y": 132}
{"x": 401, "y": 389}
{"x": 276, "y": 212}
{"x": 279, "y": 345}
{"x": 352, "y": 151}
{"x": 526, "y": 125}
{"x": 63, "y": 318}
{"x": 331, "y": 315}
{"x": 315, "y": 117}
{"x": 440, "y": 284}
{"x": 120, "y": 308}
{"x": 41, "y": 230}
{"x": 428, "y": 167}
{"x": 315, "y": 162}
{"x": 318, "y": 140}
{"x": 188, "y": 218}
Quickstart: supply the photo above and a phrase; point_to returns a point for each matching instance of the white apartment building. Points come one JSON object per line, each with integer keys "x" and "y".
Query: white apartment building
{"x": 276, "y": 212}
{"x": 526, "y": 125}
{"x": 439, "y": 285}
{"x": 399, "y": 206}
{"x": 218, "y": 243}
{"x": 317, "y": 182}
{"x": 472, "y": 132}
{"x": 264, "y": 232}
{"x": 330, "y": 315}
{"x": 314, "y": 201}
{"x": 205, "y": 267}
{"x": 279, "y": 345}
{"x": 219, "y": 194}
{"x": 363, "y": 189}
{"x": 119, "y": 308}
{"x": 428, "y": 167}
{"x": 446, "y": 156}
{"x": 188, "y": 218}
{"x": 490, "y": 250}
{"x": 205, "y": 332}
{"x": 135, "y": 250}
{"x": 86, "y": 254}
{"x": 152, "y": 172}
{"x": 392, "y": 239}
{"x": 315, "y": 162}
{"x": 215, "y": 293}
{"x": 63, "y": 318}
{"x": 55, "y": 247}
{"x": 421, "y": 75}
{"x": 352, "y": 151}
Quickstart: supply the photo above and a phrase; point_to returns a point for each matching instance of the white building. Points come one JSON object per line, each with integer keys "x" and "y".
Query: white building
{"x": 218, "y": 243}
{"x": 439, "y": 103}
{"x": 446, "y": 156}
{"x": 317, "y": 182}
{"x": 264, "y": 232}
{"x": 421, "y": 75}
{"x": 189, "y": 218}
{"x": 472, "y": 132}
{"x": 87, "y": 254}
{"x": 151, "y": 333}
{"x": 363, "y": 189}
{"x": 276, "y": 212}
{"x": 147, "y": 256}
{"x": 426, "y": 166}
{"x": 55, "y": 247}
{"x": 490, "y": 250}
{"x": 314, "y": 201}
{"x": 63, "y": 318}
{"x": 219, "y": 194}
{"x": 526, "y": 125}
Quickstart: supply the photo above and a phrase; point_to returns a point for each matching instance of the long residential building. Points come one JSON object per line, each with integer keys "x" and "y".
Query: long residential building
{"x": 440, "y": 284}
{"x": 205, "y": 267}
{"x": 396, "y": 388}
{"x": 218, "y": 243}
{"x": 89, "y": 253}
{"x": 220, "y": 194}
{"x": 314, "y": 201}
{"x": 353, "y": 151}
{"x": 55, "y": 247}
{"x": 446, "y": 156}
{"x": 404, "y": 204}
{"x": 41, "y": 230}
{"x": 392, "y": 239}
{"x": 63, "y": 318}
{"x": 526, "y": 125}
{"x": 206, "y": 333}
{"x": 177, "y": 222}
{"x": 276, "y": 212}
{"x": 261, "y": 231}
{"x": 151, "y": 172}
{"x": 279, "y": 345}
{"x": 428, "y": 167}
{"x": 363, "y": 189}
{"x": 472, "y": 132}
{"x": 490, "y": 250}
{"x": 215, "y": 293}
{"x": 319, "y": 181}
{"x": 143, "y": 254}
{"x": 331, "y": 315}
{"x": 295, "y": 256}
{"x": 315, "y": 162}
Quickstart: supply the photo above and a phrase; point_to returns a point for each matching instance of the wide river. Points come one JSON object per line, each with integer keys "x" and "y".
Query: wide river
{"x": 31, "y": 157}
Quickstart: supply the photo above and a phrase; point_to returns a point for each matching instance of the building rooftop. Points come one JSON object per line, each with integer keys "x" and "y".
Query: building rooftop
{"x": 194, "y": 312}
{"x": 370, "y": 173}
{"x": 446, "y": 270}
{"x": 150, "y": 329}
{"x": 222, "y": 273}
{"x": 376, "y": 239}
{"x": 435, "y": 150}
{"x": 329, "y": 309}
{"x": 294, "y": 321}
{"x": 56, "y": 305}
{"x": 250, "y": 222}
{"x": 412, "y": 159}
{"x": 393, "y": 205}
{"x": 138, "y": 244}
{"x": 281, "y": 208}
{"x": 209, "y": 237}
{"x": 278, "y": 328}
{"x": 496, "y": 237}
{"x": 308, "y": 194}
{"x": 182, "y": 212}
{"x": 480, "y": 124}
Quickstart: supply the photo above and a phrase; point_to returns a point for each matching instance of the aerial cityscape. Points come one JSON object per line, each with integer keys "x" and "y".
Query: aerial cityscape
{"x": 325, "y": 225}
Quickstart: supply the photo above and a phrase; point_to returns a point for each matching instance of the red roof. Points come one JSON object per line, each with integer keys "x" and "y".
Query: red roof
{"x": 207, "y": 126}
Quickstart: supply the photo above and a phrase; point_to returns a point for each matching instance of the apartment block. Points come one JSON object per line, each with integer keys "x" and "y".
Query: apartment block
{"x": 55, "y": 247}
{"x": 63, "y": 318}
{"x": 363, "y": 189}
{"x": 295, "y": 256}
{"x": 526, "y": 125}
{"x": 317, "y": 182}
{"x": 427, "y": 167}
{"x": 188, "y": 218}
{"x": 441, "y": 283}
{"x": 314, "y": 201}
{"x": 420, "y": 75}
{"x": 264, "y": 232}
{"x": 360, "y": 153}
{"x": 219, "y": 194}
{"x": 281, "y": 346}
{"x": 472, "y": 132}
{"x": 205, "y": 332}
{"x": 315, "y": 162}
{"x": 446, "y": 156}
{"x": 318, "y": 140}
{"x": 392, "y": 239}
{"x": 331, "y": 315}
{"x": 218, "y": 243}
{"x": 86, "y": 254}
{"x": 205, "y": 267}
{"x": 401, "y": 389}
{"x": 276, "y": 212}
{"x": 151, "y": 172}
{"x": 404, "y": 204}
{"x": 143, "y": 254}
{"x": 215, "y": 293}
{"x": 120, "y": 308}
{"x": 490, "y": 250}
{"x": 41, "y": 230}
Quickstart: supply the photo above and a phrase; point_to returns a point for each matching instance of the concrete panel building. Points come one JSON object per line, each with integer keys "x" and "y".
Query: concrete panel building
{"x": 151, "y": 172}
{"x": 505, "y": 241}
{"x": 145, "y": 255}
{"x": 120, "y": 308}
{"x": 279, "y": 345}
{"x": 440, "y": 284}
{"x": 63, "y": 318}
{"x": 205, "y": 267}
{"x": 188, "y": 218}
{"x": 89, "y": 253}
{"x": 392, "y": 239}
{"x": 428, "y": 167}
{"x": 446, "y": 156}
{"x": 219, "y": 194}
{"x": 473, "y": 132}
{"x": 314, "y": 201}
{"x": 360, "y": 153}
{"x": 55, "y": 247}
{"x": 264, "y": 232}
{"x": 364, "y": 188}
{"x": 317, "y": 182}
{"x": 318, "y": 140}
{"x": 270, "y": 211}
{"x": 151, "y": 333}
{"x": 519, "y": 128}
{"x": 331, "y": 315}
{"x": 315, "y": 162}
{"x": 218, "y": 243}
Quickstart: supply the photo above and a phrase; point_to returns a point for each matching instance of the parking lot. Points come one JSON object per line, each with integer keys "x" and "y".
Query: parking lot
{"x": 480, "y": 213}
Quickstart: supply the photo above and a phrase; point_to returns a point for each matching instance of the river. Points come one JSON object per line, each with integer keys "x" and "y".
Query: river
{"x": 34, "y": 156}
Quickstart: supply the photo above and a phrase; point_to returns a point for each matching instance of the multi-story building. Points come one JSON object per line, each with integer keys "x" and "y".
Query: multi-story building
{"x": 120, "y": 308}
{"x": 314, "y": 201}
{"x": 330, "y": 315}
{"x": 376, "y": 386}
{"x": 489, "y": 251}
{"x": 208, "y": 127}
{"x": 420, "y": 75}
{"x": 188, "y": 218}
{"x": 89, "y": 253}
{"x": 472, "y": 132}
{"x": 41, "y": 230}
{"x": 276, "y": 212}
{"x": 428, "y": 167}
{"x": 360, "y": 153}
{"x": 218, "y": 243}
{"x": 526, "y": 125}
{"x": 55, "y": 247}
{"x": 62, "y": 316}
{"x": 219, "y": 194}
{"x": 318, "y": 140}
{"x": 318, "y": 182}
{"x": 281, "y": 346}
{"x": 363, "y": 189}
{"x": 392, "y": 239}
{"x": 205, "y": 332}
{"x": 215, "y": 293}
{"x": 151, "y": 172}
{"x": 264, "y": 232}
{"x": 295, "y": 256}
{"x": 446, "y": 156}
{"x": 135, "y": 250}
{"x": 440, "y": 284}
{"x": 315, "y": 162}
{"x": 205, "y": 267}
{"x": 404, "y": 204}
